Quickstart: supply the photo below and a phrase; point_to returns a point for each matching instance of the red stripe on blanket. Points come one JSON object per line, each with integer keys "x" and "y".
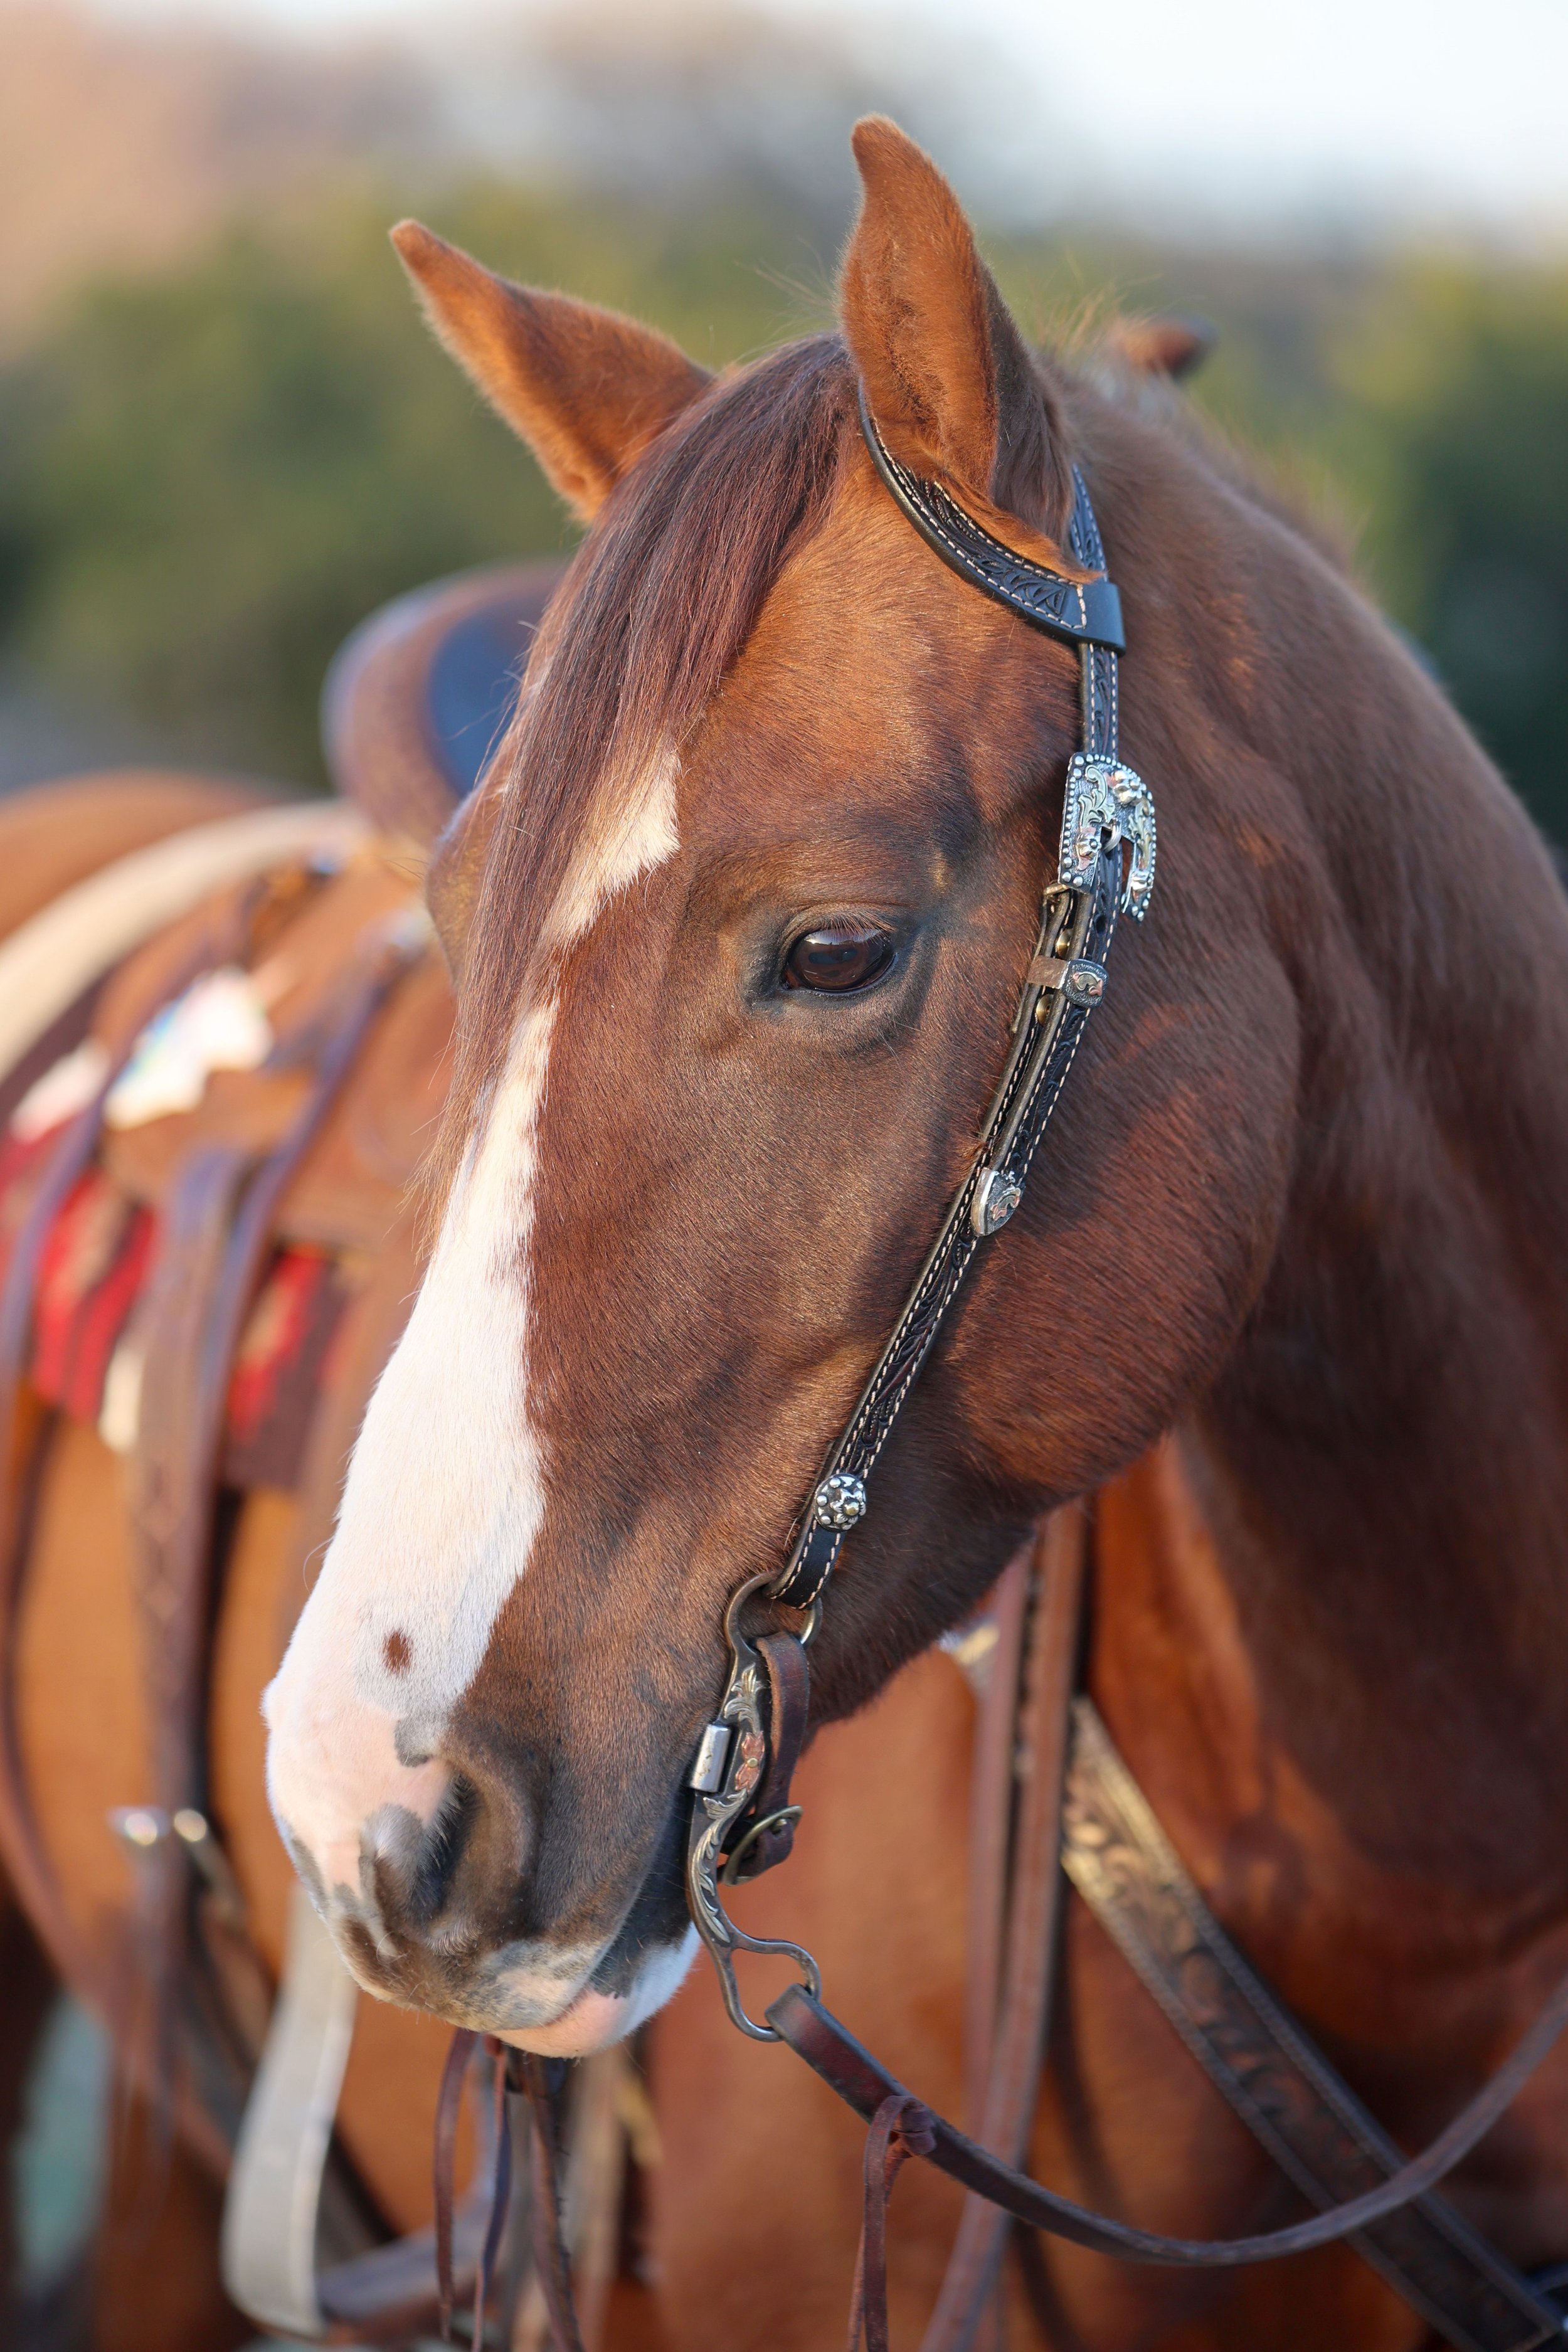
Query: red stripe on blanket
{"x": 91, "y": 1271}
{"x": 277, "y": 1372}
{"x": 89, "y": 1276}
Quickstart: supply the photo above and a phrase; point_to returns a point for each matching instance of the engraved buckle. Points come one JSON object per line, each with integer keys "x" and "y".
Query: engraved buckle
{"x": 996, "y": 1196}
{"x": 1105, "y": 803}
{"x": 1077, "y": 978}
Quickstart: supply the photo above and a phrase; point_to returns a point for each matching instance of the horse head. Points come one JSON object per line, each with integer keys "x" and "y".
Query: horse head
{"x": 738, "y": 922}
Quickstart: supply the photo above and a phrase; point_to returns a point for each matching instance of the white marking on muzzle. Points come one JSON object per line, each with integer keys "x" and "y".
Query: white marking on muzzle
{"x": 446, "y": 1492}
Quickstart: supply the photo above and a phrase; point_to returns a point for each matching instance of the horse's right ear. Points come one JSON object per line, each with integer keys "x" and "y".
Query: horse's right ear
{"x": 587, "y": 389}
{"x": 948, "y": 378}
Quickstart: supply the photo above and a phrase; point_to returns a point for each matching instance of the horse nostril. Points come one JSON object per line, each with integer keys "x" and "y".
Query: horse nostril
{"x": 411, "y": 1864}
{"x": 441, "y": 1849}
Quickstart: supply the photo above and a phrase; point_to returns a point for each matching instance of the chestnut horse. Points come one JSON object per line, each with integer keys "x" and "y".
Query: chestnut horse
{"x": 737, "y": 925}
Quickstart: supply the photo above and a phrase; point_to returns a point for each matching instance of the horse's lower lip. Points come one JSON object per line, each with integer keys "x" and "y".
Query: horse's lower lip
{"x": 588, "y": 2021}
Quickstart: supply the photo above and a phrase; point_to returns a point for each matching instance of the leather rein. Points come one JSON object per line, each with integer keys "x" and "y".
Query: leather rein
{"x": 741, "y": 1820}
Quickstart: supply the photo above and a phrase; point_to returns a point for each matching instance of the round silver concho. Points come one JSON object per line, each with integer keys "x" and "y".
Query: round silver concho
{"x": 996, "y": 1196}
{"x": 840, "y": 1501}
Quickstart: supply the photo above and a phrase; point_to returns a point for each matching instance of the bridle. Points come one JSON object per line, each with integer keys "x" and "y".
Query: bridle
{"x": 1105, "y": 868}
{"x": 741, "y": 1820}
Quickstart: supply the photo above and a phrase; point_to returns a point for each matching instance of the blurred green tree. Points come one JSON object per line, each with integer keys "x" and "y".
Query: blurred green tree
{"x": 208, "y": 478}
{"x": 1453, "y": 443}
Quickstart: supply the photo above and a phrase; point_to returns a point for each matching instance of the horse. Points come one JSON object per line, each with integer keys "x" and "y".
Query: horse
{"x": 736, "y": 924}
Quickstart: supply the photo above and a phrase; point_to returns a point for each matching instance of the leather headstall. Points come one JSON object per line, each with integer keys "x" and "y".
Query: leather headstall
{"x": 740, "y": 1822}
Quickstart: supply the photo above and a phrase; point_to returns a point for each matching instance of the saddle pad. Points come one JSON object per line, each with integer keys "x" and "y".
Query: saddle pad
{"x": 50, "y": 960}
{"x": 297, "y": 941}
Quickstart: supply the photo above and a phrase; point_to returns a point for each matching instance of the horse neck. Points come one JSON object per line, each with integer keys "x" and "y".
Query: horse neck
{"x": 1381, "y": 1472}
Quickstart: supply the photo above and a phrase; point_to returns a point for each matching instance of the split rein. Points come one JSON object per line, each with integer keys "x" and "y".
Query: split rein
{"x": 513, "y": 2074}
{"x": 741, "y": 1820}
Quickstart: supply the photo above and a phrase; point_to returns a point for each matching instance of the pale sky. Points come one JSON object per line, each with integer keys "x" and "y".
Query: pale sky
{"x": 1404, "y": 115}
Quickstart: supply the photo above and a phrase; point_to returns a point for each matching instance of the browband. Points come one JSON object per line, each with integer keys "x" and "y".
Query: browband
{"x": 1087, "y": 611}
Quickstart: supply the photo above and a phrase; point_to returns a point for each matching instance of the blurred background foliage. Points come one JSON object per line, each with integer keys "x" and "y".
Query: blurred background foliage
{"x": 208, "y": 475}
{"x": 215, "y": 462}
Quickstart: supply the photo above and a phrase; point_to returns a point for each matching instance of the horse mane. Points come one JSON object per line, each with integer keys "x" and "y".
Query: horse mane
{"x": 655, "y": 609}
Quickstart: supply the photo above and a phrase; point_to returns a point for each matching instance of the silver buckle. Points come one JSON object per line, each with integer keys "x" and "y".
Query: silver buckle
{"x": 1104, "y": 803}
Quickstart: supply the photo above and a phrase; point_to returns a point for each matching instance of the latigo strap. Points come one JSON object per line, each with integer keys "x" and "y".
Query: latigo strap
{"x": 1279, "y": 2083}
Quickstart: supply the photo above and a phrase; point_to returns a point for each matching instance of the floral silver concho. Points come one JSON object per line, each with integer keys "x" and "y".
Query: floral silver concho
{"x": 1107, "y": 802}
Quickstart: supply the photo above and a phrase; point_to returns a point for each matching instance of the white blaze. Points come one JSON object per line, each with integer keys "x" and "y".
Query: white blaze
{"x": 445, "y": 1493}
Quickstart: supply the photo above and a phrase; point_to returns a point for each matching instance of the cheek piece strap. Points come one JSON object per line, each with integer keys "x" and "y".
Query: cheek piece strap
{"x": 742, "y": 1821}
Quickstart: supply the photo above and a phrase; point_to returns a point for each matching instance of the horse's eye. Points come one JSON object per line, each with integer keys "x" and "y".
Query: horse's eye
{"x": 838, "y": 955}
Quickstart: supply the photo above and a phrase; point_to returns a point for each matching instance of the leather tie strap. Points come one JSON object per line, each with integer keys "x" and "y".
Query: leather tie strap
{"x": 501, "y": 2187}
{"x": 901, "y": 2128}
{"x": 1017, "y": 2043}
{"x": 542, "y": 2079}
{"x": 459, "y": 2054}
{"x": 832, "y": 2051}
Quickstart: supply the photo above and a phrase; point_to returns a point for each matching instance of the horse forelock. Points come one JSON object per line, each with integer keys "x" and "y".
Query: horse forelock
{"x": 658, "y": 606}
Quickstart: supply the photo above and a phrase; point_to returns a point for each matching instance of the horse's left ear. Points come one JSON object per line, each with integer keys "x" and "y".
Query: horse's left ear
{"x": 587, "y": 389}
{"x": 456, "y": 873}
{"x": 949, "y": 379}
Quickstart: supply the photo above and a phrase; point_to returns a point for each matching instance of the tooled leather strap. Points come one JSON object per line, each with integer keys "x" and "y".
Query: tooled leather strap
{"x": 1048, "y": 1030}
{"x": 1065, "y": 981}
{"x": 1289, "y": 2097}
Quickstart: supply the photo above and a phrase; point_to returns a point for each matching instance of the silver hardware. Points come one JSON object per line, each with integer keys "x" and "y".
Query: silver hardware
{"x": 141, "y": 1826}
{"x": 194, "y": 1833}
{"x": 785, "y": 1819}
{"x": 840, "y": 1501}
{"x": 1077, "y": 978}
{"x": 996, "y": 1196}
{"x": 713, "y": 1816}
{"x": 706, "y": 1774}
{"x": 1104, "y": 803}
